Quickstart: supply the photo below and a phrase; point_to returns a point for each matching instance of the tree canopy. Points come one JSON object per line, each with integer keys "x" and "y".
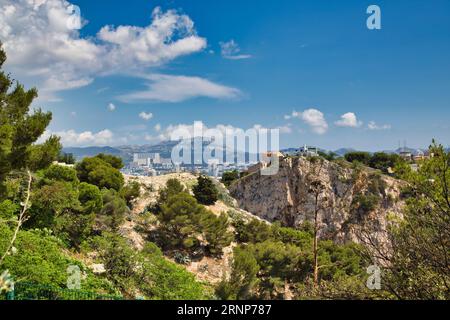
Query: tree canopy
{"x": 101, "y": 172}
{"x": 20, "y": 128}
{"x": 205, "y": 191}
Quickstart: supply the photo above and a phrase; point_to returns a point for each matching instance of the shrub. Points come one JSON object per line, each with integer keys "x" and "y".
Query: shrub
{"x": 362, "y": 157}
{"x": 172, "y": 188}
{"x": 38, "y": 257}
{"x": 98, "y": 172}
{"x": 131, "y": 191}
{"x": 51, "y": 201}
{"x": 229, "y": 177}
{"x": 60, "y": 173}
{"x": 330, "y": 156}
{"x": 364, "y": 204}
{"x": 383, "y": 161}
{"x": 243, "y": 278}
{"x": 205, "y": 191}
{"x": 114, "y": 210}
{"x": 66, "y": 158}
{"x": 114, "y": 161}
{"x": 253, "y": 231}
{"x": 90, "y": 198}
{"x": 147, "y": 271}
{"x": 216, "y": 232}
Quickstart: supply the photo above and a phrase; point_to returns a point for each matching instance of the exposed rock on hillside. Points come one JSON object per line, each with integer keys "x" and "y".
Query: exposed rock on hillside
{"x": 348, "y": 199}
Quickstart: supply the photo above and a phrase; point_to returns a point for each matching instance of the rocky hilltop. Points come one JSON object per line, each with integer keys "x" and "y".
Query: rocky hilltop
{"x": 347, "y": 199}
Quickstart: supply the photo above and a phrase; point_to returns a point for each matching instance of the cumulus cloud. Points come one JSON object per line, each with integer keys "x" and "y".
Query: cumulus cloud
{"x": 169, "y": 88}
{"x": 71, "y": 138}
{"x": 285, "y": 129}
{"x": 373, "y": 126}
{"x": 348, "y": 120}
{"x": 312, "y": 117}
{"x": 111, "y": 107}
{"x": 200, "y": 129}
{"x": 230, "y": 50}
{"x": 146, "y": 115}
{"x": 43, "y": 49}
{"x": 155, "y": 43}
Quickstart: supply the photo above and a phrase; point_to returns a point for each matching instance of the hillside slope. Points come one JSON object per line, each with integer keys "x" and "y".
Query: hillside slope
{"x": 135, "y": 228}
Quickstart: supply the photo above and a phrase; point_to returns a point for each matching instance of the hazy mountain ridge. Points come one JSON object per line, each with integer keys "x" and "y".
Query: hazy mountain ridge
{"x": 165, "y": 149}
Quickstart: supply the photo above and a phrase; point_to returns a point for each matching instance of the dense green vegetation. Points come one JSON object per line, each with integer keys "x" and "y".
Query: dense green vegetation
{"x": 126, "y": 268}
{"x": 330, "y": 156}
{"x": 379, "y": 160}
{"x": 66, "y": 158}
{"x": 418, "y": 265}
{"x": 361, "y": 157}
{"x": 273, "y": 262}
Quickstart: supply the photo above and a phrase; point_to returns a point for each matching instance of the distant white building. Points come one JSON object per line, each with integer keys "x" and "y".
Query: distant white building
{"x": 62, "y": 164}
{"x": 146, "y": 159}
{"x": 406, "y": 154}
{"x": 166, "y": 164}
{"x": 308, "y": 151}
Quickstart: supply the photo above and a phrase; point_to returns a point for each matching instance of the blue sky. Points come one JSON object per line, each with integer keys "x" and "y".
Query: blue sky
{"x": 294, "y": 65}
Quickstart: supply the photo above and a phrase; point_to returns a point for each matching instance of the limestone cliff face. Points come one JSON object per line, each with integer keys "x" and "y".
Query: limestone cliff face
{"x": 347, "y": 200}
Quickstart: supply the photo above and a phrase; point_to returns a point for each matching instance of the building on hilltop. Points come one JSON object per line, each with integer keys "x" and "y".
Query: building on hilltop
{"x": 308, "y": 151}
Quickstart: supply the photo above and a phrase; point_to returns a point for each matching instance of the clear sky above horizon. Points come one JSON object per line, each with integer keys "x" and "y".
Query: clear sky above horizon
{"x": 137, "y": 69}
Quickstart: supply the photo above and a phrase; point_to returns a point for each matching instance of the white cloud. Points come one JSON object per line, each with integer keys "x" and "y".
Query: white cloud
{"x": 43, "y": 51}
{"x": 294, "y": 114}
{"x": 285, "y": 129}
{"x": 101, "y": 90}
{"x": 169, "y": 36}
{"x": 166, "y": 133}
{"x": 312, "y": 117}
{"x": 111, "y": 107}
{"x": 71, "y": 138}
{"x": 146, "y": 115}
{"x": 230, "y": 50}
{"x": 349, "y": 120}
{"x": 316, "y": 120}
{"x": 373, "y": 126}
{"x": 169, "y": 88}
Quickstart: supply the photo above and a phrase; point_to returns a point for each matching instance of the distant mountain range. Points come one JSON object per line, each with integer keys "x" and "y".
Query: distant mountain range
{"x": 80, "y": 153}
{"x": 165, "y": 150}
{"x": 125, "y": 152}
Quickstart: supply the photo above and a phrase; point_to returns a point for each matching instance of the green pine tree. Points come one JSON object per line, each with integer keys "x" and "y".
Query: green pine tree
{"x": 205, "y": 191}
{"x": 20, "y": 129}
